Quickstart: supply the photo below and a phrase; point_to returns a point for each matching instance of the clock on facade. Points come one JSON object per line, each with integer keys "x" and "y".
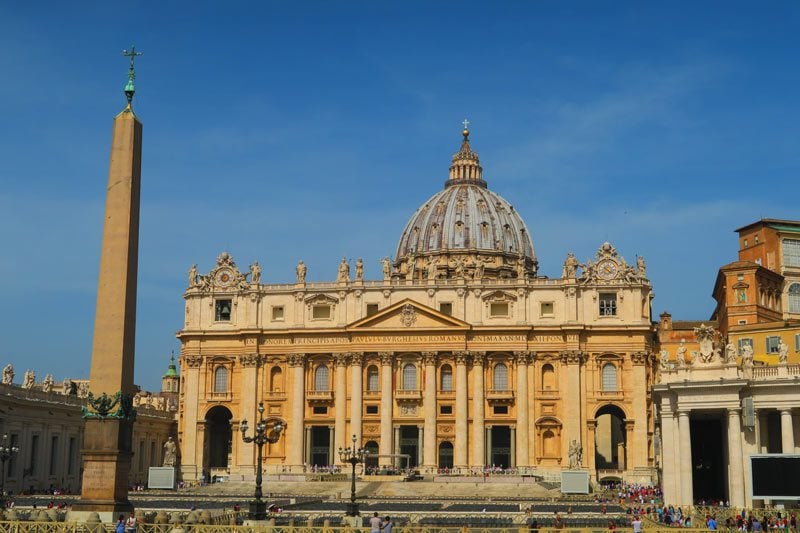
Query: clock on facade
{"x": 607, "y": 269}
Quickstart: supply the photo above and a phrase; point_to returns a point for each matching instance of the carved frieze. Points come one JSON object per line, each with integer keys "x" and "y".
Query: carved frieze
{"x": 641, "y": 358}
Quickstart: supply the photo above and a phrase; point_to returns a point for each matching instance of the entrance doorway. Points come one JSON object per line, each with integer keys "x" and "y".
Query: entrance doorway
{"x": 708, "y": 457}
{"x": 320, "y": 446}
{"x": 409, "y": 444}
{"x": 218, "y": 436}
{"x": 371, "y": 460}
{"x": 501, "y": 446}
{"x": 609, "y": 442}
{"x": 446, "y": 455}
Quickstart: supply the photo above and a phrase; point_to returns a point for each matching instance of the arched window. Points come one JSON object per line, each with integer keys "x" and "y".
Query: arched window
{"x": 321, "y": 378}
{"x": 548, "y": 377}
{"x": 221, "y": 379}
{"x": 609, "y": 377}
{"x": 500, "y": 377}
{"x": 373, "y": 382}
{"x": 549, "y": 443}
{"x": 446, "y": 455}
{"x": 794, "y": 298}
{"x": 447, "y": 377}
{"x": 409, "y": 377}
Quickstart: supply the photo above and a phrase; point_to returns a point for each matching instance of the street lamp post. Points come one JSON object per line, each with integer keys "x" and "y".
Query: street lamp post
{"x": 353, "y": 456}
{"x": 266, "y": 431}
{"x": 6, "y": 452}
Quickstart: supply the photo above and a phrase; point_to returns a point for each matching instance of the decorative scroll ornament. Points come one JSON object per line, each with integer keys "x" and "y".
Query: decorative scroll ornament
{"x": 193, "y": 361}
{"x": 225, "y": 276}
{"x": 608, "y": 267}
{"x": 408, "y": 316}
{"x": 101, "y": 407}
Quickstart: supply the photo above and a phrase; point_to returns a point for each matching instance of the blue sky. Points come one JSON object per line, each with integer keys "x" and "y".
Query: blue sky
{"x": 312, "y": 130}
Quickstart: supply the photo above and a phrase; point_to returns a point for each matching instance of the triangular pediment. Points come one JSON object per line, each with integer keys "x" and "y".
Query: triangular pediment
{"x": 408, "y": 315}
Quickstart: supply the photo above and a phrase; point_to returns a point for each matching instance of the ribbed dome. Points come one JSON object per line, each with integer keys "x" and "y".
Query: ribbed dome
{"x": 467, "y": 219}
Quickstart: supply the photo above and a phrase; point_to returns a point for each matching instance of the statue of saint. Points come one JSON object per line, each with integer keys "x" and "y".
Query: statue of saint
{"x": 301, "y": 272}
{"x": 459, "y": 270}
{"x": 411, "y": 266}
{"x": 641, "y": 268}
{"x": 8, "y": 374}
{"x": 193, "y": 276}
{"x": 747, "y": 355}
{"x": 575, "y": 454}
{"x": 386, "y": 264}
{"x": 730, "y": 353}
{"x": 783, "y": 352}
{"x": 681, "y": 353}
{"x": 521, "y": 274}
{"x": 664, "y": 359}
{"x": 430, "y": 267}
{"x": 359, "y": 269}
{"x": 479, "y": 266}
{"x": 83, "y": 389}
{"x": 29, "y": 380}
{"x": 344, "y": 270}
{"x": 66, "y": 387}
{"x": 47, "y": 384}
{"x": 170, "y": 452}
{"x": 255, "y": 273}
{"x": 570, "y": 267}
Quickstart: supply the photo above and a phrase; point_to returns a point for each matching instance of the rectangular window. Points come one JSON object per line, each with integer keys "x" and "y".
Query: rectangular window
{"x": 33, "y": 464}
{"x": 372, "y": 309}
{"x": 53, "y": 455}
{"x": 608, "y": 304}
{"x": 501, "y": 409}
{"x": 547, "y": 309}
{"x": 372, "y": 409}
{"x": 321, "y": 312}
{"x": 742, "y": 322}
{"x": 446, "y": 308}
{"x": 277, "y": 312}
{"x": 498, "y": 309}
{"x": 755, "y": 239}
{"x": 791, "y": 252}
{"x": 320, "y": 410}
{"x": 71, "y": 457}
{"x": 745, "y": 243}
{"x": 744, "y": 342}
{"x": 797, "y": 343}
{"x": 222, "y": 310}
{"x": 445, "y": 409}
{"x": 772, "y": 344}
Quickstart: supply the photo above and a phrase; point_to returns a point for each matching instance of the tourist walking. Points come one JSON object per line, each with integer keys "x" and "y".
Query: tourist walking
{"x": 130, "y": 524}
{"x": 375, "y": 524}
{"x": 387, "y": 525}
{"x": 120, "y": 525}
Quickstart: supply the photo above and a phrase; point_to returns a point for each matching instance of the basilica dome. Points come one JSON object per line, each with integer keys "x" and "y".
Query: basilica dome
{"x": 466, "y": 222}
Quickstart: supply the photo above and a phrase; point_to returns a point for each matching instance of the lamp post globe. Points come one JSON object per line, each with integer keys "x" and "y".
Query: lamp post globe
{"x": 354, "y": 456}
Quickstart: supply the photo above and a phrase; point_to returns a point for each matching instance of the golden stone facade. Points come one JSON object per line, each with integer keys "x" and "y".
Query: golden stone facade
{"x": 461, "y": 357}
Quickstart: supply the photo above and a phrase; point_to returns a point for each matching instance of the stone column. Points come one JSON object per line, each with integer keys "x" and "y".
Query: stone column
{"x": 331, "y": 447}
{"x": 340, "y": 405}
{"x": 190, "y": 447}
{"x": 429, "y": 411}
{"x": 588, "y": 453}
{"x": 460, "y": 452}
{"x": 787, "y": 431}
{"x": 478, "y": 411}
{"x": 668, "y": 462}
{"x": 294, "y": 442}
{"x": 687, "y": 495}
{"x": 385, "y": 444}
{"x": 399, "y": 462}
{"x": 571, "y": 361}
{"x": 513, "y": 454}
{"x": 356, "y": 394}
{"x": 307, "y": 447}
{"x": 250, "y": 364}
{"x": 488, "y": 442}
{"x": 736, "y": 473}
{"x": 638, "y": 452}
{"x": 420, "y": 444}
{"x": 630, "y": 426}
{"x": 521, "y": 358}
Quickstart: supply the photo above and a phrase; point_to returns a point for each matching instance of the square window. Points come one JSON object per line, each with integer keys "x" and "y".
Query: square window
{"x": 445, "y": 409}
{"x": 321, "y": 311}
{"x": 608, "y": 304}
{"x": 501, "y": 409}
{"x": 222, "y": 310}
{"x": 446, "y": 308}
{"x": 372, "y": 309}
{"x": 320, "y": 410}
{"x": 372, "y": 409}
{"x": 277, "y": 312}
{"x": 772, "y": 344}
{"x": 547, "y": 309}
{"x": 742, "y": 322}
{"x": 498, "y": 309}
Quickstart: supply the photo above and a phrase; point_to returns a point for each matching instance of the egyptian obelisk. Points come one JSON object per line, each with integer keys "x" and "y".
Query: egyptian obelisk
{"x": 109, "y": 415}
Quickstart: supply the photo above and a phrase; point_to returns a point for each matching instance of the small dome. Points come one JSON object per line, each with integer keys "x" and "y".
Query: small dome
{"x": 466, "y": 218}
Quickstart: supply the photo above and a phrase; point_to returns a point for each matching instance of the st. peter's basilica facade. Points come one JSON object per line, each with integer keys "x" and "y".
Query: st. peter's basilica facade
{"x": 461, "y": 357}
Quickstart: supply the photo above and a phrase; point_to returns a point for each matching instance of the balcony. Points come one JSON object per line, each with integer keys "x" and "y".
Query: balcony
{"x": 372, "y": 394}
{"x": 610, "y": 394}
{"x": 408, "y": 395}
{"x": 319, "y": 396}
{"x": 221, "y": 396}
{"x": 445, "y": 394}
{"x": 274, "y": 395}
{"x": 498, "y": 396}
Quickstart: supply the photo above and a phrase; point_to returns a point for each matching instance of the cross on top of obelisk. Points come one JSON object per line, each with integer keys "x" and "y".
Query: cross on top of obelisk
{"x": 130, "y": 87}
